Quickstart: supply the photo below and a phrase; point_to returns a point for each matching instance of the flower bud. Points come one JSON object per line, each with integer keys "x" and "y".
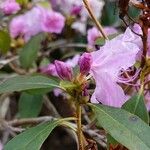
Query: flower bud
{"x": 64, "y": 71}
{"x": 85, "y": 62}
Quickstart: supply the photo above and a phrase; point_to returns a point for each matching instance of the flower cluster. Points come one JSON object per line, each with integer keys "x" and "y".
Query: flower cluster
{"x": 105, "y": 66}
{"x": 37, "y": 20}
{"x": 76, "y": 8}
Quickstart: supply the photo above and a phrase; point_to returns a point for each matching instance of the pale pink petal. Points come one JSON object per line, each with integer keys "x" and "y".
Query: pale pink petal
{"x": 107, "y": 91}
{"x": 114, "y": 56}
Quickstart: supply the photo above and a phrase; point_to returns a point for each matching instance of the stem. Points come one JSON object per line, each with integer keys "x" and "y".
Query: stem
{"x": 144, "y": 40}
{"x": 100, "y": 28}
{"x": 79, "y": 127}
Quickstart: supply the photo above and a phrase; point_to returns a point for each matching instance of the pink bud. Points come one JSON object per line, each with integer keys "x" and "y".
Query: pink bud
{"x": 85, "y": 62}
{"x": 63, "y": 70}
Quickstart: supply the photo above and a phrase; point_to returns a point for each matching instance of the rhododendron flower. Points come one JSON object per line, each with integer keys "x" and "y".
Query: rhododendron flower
{"x": 51, "y": 70}
{"x": 94, "y": 33}
{"x": 129, "y": 35}
{"x": 17, "y": 27}
{"x": 76, "y": 7}
{"x": 9, "y": 7}
{"x": 28, "y": 24}
{"x": 116, "y": 55}
{"x": 53, "y": 22}
{"x": 37, "y": 20}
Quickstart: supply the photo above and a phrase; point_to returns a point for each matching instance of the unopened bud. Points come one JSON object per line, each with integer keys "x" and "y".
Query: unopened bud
{"x": 85, "y": 63}
{"x": 64, "y": 71}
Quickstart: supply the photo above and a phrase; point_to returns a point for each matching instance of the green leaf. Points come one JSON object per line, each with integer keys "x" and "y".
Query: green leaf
{"x": 33, "y": 138}
{"x": 5, "y": 41}
{"x": 101, "y": 40}
{"x": 110, "y": 14}
{"x": 126, "y": 128}
{"x": 29, "y": 52}
{"x": 30, "y": 105}
{"x": 24, "y": 83}
{"x": 136, "y": 105}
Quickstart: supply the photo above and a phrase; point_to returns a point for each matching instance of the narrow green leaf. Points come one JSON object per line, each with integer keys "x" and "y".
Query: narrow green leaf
{"x": 126, "y": 128}
{"x": 4, "y": 41}
{"x": 29, "y": 52}
{"x": 30, "y": 105}
{"x": 24, "y": 83}
{"x": 136, "y": 105}
{"x": 33, "y": 138}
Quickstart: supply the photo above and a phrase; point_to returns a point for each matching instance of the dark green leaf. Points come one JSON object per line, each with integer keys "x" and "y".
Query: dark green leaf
{"x": 136, "y": 105}
{"x": 33, "y": 138}
{"x": 29, "y": 52}
{"x": 110, "y": 14}
{"x": 23, "y": 83}
{"x": 134, "y": 12}
{"x": 4, "y": 41}
{"x": 126, "y": 128}
{"x": 30, "y": 105}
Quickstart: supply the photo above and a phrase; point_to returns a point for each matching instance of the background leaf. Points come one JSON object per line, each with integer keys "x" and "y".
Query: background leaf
{"x": 29, "y": 52}
{"x": 33, "y": 138}
{"x": 30, "y": 105}
{"x": 126, "y": 128}
{"x": 22, "y": 2}
{"x": 4, "y": 41}
{"x": 110, "y": 14}
{"x": 23, "y": 83}
{"x": 136, "y": 105}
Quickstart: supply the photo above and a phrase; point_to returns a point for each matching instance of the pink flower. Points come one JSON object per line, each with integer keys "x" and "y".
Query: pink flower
{"x": 17, "y": 27}
{"x": 76, "y": 7}
{"x": 116, "y": 55}
{"x": 94, "y": 33}
{"x": 75, "y": 10}
{"x": 53, "y": 22}
{"x": 9, "y": 7}
{"x": 27, "y": 25}
{"x": 37, "y": 20}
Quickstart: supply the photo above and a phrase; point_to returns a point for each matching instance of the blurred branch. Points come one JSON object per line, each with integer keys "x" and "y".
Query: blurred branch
{"x": 19, "y": 122}
{"x": 14, "y": 127}
{"x": 7, "y": 61}
{"x": 100, "y": 28}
